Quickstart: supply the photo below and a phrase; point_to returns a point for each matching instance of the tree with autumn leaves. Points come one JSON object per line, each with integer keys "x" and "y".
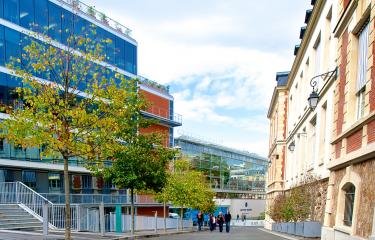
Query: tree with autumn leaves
{"x": 73, "y": 105}
{"x": 187, "y": 188}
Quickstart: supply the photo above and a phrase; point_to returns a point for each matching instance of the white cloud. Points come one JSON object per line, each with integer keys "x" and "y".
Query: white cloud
{"x": 219, "y": 56}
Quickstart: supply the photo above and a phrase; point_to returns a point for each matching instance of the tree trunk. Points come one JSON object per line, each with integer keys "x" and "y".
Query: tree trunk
{"x": 165, "y": 217}
{"x": 132, "y": 210}
{"x": 67, "y": 199}
{"x": 182, "y": 218}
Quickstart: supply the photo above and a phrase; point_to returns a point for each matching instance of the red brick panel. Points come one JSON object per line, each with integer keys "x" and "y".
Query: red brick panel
{"x": 158, "y": 105}
{"x": 338, "y": 149}
{"x": 354, "y": 142}
{"x": 342, "y": 82}
{"x": 164, "y": 131}
{"x": 371, "y": 132}
{"x": 346, "y": 3}
{"x": 150, "y": 211}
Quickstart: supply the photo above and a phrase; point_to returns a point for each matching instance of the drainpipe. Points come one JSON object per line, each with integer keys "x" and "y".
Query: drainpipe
{"x": 372, "y": 237}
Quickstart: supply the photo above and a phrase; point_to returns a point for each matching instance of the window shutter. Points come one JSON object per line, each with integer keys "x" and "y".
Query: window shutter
{"x": 362, "y": 57}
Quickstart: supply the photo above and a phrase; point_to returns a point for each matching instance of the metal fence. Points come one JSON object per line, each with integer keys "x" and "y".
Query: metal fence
{"x": 87, "y": 198}
{"x": 142, "y": 223}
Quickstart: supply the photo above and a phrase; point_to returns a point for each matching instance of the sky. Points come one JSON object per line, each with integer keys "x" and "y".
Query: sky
{"x": 219, "y": 57}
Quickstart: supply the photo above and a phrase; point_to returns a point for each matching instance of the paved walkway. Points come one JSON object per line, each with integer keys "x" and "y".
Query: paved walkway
{"x": 237, "y": 233}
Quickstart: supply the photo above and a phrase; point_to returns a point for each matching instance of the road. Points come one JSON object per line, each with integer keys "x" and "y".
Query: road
{"x": 237, "y": 233}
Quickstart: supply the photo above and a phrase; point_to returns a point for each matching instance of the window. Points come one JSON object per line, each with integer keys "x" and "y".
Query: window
{"x": 2, "y": 46}
{"x": 1, "y": 8}
{"x": 29, "y": 178}
{"x": 322, "y": 137}
{"x": 12, "y": 10}
{"x": 1, "y": 144}
{"x": 54, "y": 182}
{"x": 41, "y": 15}
{"x": 66, "y": 26}
{"x": 313, "y": 141}
{"x": 317, "y": 48}
{"x": 12, "y": 40}
{"x": 349, "y": 190}
{"x": 54, "y": 27}
{"x": 86, "y": 182}
{"x": 362, "y": 69}
{"x": 27, "y": 13}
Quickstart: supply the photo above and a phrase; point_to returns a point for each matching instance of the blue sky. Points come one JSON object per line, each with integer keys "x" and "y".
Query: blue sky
{"x": 220, "y": 58}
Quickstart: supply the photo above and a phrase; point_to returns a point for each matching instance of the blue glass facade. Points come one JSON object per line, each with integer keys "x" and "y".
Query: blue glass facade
{"x": 46, "y": 17}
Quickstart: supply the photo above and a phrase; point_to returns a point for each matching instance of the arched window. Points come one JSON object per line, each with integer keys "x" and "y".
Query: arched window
{"x": 349, "y": 190}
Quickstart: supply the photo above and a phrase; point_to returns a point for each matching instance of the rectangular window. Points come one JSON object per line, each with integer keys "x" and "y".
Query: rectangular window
{"x": 362, "y": 69}
{"x": 12, "y": 11}
{"x": 110, "y": 48}
{"x": 1, "y": 8}
{"x": 322, "y": 140}
{"x": 29, "y": 178}
{"x": 54, "y": 182}
{"x": 12, "y": 40}
{"x": 119, "y": 53}
{"x": 66, "y": 26}
{"x": 1, "y": 144}
{"x": 317, "y": 56}
{"x": 41, "y": 16}
{"x": 27, "y": 13}
{"x": 313, "y": 141}
{"x": 86, "y": 182}
{"x": 54, "y": 18}
{"x": 2, "y": 46}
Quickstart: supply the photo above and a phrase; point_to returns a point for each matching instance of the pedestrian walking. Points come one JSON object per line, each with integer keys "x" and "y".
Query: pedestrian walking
{"x": 220, "y": 221}
{"x": 238, "y": 217}
{"x": 227, "y": 218}
{"x": 212, "y": 222}
{"x": 200, "y": 221}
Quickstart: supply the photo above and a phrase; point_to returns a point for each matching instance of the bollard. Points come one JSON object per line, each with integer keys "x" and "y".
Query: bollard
{"x": 156, "y": 221}
{"x": 45, "y": 218}
{"x": 101, "y": 218}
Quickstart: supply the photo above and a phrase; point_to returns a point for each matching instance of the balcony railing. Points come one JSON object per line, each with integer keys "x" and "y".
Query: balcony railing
{"x": 59, "y": 198}
{"x": 154, "y": 84}
{"x": 164, "y": 113}
{"x": 97, "y": 16}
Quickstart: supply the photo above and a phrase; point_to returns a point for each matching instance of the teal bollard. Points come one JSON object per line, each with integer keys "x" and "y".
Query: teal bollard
{"x": 118, "y": 219}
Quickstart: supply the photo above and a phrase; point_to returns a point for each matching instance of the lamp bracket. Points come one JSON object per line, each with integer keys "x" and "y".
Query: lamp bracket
{"x": 325, "y": 76}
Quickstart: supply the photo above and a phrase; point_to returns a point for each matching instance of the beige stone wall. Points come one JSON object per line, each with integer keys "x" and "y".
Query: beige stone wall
{"x": 365, "y": 199}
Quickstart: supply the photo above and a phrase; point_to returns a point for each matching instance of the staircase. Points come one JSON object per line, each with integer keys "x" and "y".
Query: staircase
{"x": 13, "y": 217}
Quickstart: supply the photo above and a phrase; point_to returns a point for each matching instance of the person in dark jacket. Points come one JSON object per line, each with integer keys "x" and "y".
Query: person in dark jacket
{"x": 220, "y": 221}
{"x": 200, "y": 220}
{"x": 212, "y": 222}
{"x": 227, "y": 218}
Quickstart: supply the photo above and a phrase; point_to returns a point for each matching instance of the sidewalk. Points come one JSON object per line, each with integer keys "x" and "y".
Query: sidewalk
{"x": 19, "y": 235}
{"x": 287, "y": 236}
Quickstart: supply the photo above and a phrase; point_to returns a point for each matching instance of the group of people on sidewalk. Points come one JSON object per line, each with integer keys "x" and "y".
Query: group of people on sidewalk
{"x": 214, "y": 221}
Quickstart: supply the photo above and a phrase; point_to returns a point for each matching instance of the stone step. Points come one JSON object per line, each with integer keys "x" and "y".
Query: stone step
{"x": 13, "y": 220}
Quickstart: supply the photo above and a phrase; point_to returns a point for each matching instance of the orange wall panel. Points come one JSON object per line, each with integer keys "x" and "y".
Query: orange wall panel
{"x": 164, "y": 131}
{"x": 158, "y": 105}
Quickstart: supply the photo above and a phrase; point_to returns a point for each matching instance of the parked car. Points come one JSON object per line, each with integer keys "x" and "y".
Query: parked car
{"x": 173, "y": 215}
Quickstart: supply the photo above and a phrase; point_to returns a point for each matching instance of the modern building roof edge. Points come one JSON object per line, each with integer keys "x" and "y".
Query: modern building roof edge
{"x": 221, "y": 147}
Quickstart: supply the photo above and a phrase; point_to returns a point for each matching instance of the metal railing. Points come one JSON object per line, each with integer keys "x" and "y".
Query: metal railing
{"x": 31, "y": 201}
{"x": 19, "y": 193}
{"x": 97, "y": 16}
{"x": 86, "y": 198}
{"x": 164, "y": 113}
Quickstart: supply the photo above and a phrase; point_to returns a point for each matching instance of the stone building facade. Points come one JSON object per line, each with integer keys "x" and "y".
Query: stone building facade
{"x": 334, "y": 141}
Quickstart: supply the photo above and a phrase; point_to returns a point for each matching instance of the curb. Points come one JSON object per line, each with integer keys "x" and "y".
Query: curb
{"x": 279, "y": 235}
{"x": 151, "y": 235}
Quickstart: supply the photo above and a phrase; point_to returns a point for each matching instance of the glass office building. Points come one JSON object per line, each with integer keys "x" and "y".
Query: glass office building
{"x": 230, "y": 172}
{"x": 20, "y": 22}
